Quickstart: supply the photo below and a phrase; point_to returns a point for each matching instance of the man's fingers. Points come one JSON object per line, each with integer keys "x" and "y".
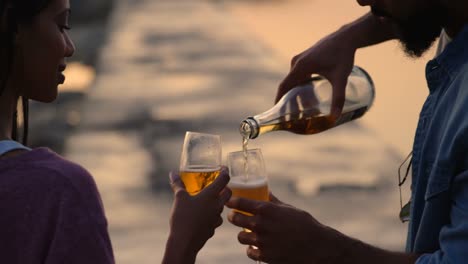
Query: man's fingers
{"x": 218, "y": 185}
{"x": 286, "y": 85}
{"x": 301, "y": 70}
{"x": 254, "y": 253}
{"x": 248, "y": 238}
{"x": 294, "y": 78}
{"x": 339, "y": 95}
{"x": 244, "y": 221}
{"x": 246, "y": 205}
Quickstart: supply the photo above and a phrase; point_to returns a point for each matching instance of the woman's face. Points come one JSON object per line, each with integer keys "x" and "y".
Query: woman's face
{"x": 40, "y": 52}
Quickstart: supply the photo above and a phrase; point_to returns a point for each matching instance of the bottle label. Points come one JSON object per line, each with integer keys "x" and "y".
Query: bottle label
{"x": 349, "y": 116}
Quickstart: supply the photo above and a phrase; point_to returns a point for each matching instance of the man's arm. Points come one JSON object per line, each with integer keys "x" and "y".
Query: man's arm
{"x": 354, "y": 251}
{"x": 368, "y": 30}
{"x": 285, "y": 234}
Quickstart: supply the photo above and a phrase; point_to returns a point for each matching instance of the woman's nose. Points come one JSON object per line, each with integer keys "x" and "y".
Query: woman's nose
{"x": 70, "y": 50}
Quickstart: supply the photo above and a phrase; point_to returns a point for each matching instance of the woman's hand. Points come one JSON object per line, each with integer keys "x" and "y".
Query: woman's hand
{"x": 194, "y": 218}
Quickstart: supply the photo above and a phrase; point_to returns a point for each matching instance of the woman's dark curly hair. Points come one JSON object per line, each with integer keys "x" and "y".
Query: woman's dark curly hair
{"x": 12, "y": 14}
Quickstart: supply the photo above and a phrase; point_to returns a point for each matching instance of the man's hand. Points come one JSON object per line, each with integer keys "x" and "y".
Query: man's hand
{"x": 333, "y": 58}
{"x": 284, "y": 234}
{"x": 281, "y": 233}
{"x": 194, "y": 218}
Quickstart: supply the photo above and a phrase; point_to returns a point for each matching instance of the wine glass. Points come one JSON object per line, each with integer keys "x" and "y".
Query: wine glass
{"x": 248, "y": 176}
{"x": 200, "y": 161}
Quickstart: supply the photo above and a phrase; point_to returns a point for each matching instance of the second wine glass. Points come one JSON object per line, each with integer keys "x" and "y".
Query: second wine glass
{"x": 248, "y": 176}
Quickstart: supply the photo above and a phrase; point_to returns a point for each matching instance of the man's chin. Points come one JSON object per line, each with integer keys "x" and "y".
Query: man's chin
{"x": 417, "y": 40}
{"x": 416, "y": 50}
{"x": 418, "y": 33}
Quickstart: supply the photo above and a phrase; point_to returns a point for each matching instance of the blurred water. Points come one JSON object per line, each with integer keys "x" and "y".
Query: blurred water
{"x": 172, "y": 66}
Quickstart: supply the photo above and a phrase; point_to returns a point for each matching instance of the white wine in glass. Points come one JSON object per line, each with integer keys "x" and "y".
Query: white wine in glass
{"x": 200, "y": 161}
{"x": 248, "y": 176}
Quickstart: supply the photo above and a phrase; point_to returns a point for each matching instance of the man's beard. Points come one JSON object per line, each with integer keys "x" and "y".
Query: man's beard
{"x": 418, "y": 32}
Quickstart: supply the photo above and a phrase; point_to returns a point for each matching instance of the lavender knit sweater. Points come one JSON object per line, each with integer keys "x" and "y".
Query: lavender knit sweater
{"x": 50, "y": 212}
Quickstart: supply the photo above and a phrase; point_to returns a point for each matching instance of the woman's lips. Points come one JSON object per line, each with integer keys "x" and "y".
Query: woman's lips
{"x": 61, "y": 78}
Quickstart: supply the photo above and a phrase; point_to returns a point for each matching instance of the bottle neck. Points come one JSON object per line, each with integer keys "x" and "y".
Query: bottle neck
{"x": 249, "y": 128}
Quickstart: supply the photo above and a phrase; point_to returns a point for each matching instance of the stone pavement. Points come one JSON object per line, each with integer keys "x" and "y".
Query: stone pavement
{"x": 172, "y": 66}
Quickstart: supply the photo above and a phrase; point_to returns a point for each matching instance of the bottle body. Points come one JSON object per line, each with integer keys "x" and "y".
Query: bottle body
{"x": 306, "y": 108}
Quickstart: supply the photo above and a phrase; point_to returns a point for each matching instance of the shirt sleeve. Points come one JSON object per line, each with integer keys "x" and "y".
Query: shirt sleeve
{"x": 81, "y": 234}
{"x": 453, "y": 237}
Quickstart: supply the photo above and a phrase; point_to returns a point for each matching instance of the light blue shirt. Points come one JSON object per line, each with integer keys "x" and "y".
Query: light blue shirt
{"x": 9, "y": 145}
{"x": 439, "y": 210}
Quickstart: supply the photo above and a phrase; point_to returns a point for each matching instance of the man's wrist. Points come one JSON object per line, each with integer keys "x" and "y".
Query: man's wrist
{"x": 348, "y": 250}
{"x": 366, "y": 31}
{"x": 334, "y": 246}
{"x": 322, "y": 244}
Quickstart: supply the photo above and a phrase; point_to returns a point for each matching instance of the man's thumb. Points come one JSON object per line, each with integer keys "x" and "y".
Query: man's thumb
{"x": 339, "y": 96}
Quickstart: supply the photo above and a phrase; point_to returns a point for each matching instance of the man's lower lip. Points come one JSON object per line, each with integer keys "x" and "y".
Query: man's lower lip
{"x": 61, "y": 78}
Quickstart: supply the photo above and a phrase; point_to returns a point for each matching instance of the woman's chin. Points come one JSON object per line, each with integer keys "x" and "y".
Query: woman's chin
{"x": 44, "y": 98}
{"x": 46, "y": 93}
